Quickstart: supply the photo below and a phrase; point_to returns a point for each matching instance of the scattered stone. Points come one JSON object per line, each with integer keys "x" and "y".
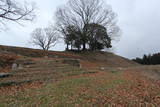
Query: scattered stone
{"x": 3, "y": 75}
{"x": 46, "y": 57}
{"x": 27, "y": 66}
{"x": 120, "y": 68}
{"x": 1, "y": 68}
{"x": 14, "y": 67}
{"x": 73, "y": 62}
{"x": 25, "y": 61}
{"x": 102, "y": 68}
{"x": 21, "y": 64}
{"x": 56, "y": 56}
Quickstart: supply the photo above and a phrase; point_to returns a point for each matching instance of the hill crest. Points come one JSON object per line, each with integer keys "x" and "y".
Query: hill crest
{"x": 105, "y": 59}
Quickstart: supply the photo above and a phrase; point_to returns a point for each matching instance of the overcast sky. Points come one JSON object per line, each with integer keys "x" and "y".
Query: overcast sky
{"x": 139, "y": 21}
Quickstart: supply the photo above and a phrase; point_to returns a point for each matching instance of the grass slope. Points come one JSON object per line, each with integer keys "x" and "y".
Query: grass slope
{"x": 105, "y": 80}
{"x": 101, "y": 89}
{"x": 99, "y": 58}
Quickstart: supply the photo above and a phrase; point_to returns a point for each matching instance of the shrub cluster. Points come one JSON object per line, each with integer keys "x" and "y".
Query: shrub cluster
{"x": 149, "y": 59}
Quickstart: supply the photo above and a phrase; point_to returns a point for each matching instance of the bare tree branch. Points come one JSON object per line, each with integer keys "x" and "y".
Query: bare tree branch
{"x": 44, "y": 38}
{"x": 11, "y": 10}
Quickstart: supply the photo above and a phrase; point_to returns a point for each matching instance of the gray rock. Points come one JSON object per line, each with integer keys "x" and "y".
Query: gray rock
{"x": 28, "y": 66}
{"x": 14, "y": 67}
{"x": 2, "y": 75}
{"x": 56, "y": 56}
{"x": 102, "y": 68}
{"x": 73, "y": 62}
{"x": 46, "y": 57}
{"x": 1, "y": 68}
{"x": 20, "y": 66}
{"x": 120, "y": 68}
{"x": 22, "y": 63}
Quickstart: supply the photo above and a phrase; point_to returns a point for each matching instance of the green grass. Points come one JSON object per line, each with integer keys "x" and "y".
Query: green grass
{"x": 115, "y": 72}
{"x": 106, "y": 89}
{"x": 65, "y": 93}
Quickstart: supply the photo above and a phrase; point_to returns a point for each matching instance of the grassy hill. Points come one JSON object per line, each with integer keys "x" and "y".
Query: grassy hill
{"x": 104, "y": 58}
{"x": 68, "y": 79}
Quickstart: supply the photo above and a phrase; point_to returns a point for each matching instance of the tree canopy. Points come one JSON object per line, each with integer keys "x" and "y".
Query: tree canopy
{"x": 87, "y": 24}
{"x": 149, "y": 59}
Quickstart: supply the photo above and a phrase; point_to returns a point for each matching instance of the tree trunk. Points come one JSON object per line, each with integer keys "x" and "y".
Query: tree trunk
{"x": 67, "y": 48}
{"x": 78, "y": 49}
{"x": 84, "y": 46}
{"x": 71, "y": 46}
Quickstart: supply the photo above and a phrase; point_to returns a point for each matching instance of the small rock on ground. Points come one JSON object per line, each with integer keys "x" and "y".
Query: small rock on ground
{"x": 2, "y": 75}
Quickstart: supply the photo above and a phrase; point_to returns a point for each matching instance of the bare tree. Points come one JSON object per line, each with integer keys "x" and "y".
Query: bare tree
{"x": 44, "y": 38}
{"x": 11, "y": 10}
{"x": 80, "y": 13}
